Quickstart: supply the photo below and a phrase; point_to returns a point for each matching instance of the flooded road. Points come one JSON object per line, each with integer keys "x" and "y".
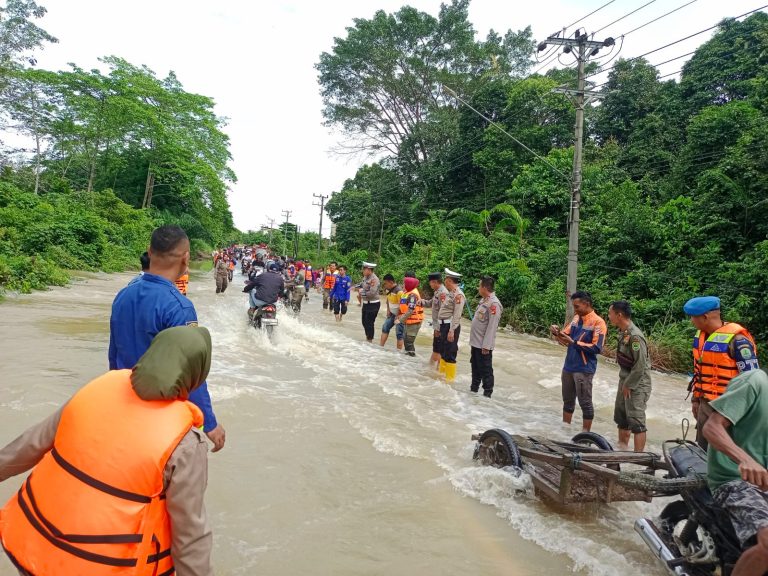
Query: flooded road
{"x": 348, "y": 459}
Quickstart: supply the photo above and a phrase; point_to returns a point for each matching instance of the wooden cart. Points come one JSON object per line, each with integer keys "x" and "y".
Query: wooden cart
{"x": 583, "y": 470}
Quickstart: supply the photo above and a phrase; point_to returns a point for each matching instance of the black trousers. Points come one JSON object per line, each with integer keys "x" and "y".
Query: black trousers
{"x": 370, "y": 311}
{"x": 482, "y": 370}
{"x": 339, "y": 306}
{"x": 450, "y": 349}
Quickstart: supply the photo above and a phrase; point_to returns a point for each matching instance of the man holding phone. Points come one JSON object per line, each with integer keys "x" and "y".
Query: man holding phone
{"x": 584, "y": 337}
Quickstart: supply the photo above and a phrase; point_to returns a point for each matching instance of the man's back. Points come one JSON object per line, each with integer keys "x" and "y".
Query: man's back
{"x": 139, "y": 312}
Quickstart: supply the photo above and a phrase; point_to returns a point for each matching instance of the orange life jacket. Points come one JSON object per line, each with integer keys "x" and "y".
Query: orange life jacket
{"x": 182, "y": 283}
{"x": 330, "y": 280}
{"x": 231, "y": 265}
{"x": 713, "y": 366}
{"x": 418, "y": 312}
{"x": 95, "y": 504}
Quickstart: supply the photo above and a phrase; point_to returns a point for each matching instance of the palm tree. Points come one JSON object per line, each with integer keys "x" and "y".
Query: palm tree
{"x": 500, "y": 217}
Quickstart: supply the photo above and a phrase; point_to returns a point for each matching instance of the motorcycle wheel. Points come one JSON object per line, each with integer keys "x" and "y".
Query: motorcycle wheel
{"x": 595, "y": 440}
{"x": 592, "y": 439}
{"x": 497, "y": 448}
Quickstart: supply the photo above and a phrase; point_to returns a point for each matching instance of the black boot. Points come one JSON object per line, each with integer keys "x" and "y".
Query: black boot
{"x": 487, "y": 393}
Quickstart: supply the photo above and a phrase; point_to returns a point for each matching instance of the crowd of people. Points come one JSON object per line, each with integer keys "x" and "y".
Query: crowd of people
{"x": 123, "y": 464}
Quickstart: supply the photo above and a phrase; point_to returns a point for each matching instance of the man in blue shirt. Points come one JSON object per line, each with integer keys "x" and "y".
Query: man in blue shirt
{"x": 144, "y": 308}
{"x": 340, "y": 293}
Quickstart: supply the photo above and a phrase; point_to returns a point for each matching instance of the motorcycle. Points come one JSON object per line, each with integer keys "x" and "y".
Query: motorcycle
{"x": 264, "y": 317}
{"x": 693, "y": 536}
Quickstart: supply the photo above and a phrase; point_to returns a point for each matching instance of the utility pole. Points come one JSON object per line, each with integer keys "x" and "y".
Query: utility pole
{"x": 381, "y": 233}
{"x": 287, "y": 214}
{"x": 320, "y": 233}
{"x": 271, "y": 226}
{"x": 583, "y": 49}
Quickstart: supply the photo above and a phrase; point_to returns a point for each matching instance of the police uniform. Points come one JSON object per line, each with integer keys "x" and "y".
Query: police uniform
{"x": 434, "y": 303}
{"x": 634, "y": 362}
{"x": 449, "y": 320}
{"x": 139, "y": 312}
{"x": 482, "y": 337}
{"x": 369, "y": 293}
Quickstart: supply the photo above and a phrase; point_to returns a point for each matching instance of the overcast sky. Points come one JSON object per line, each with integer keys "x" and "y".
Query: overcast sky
{"x": 256, "y": 59}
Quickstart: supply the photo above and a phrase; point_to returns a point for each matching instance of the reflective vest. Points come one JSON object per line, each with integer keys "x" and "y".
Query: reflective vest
{"x": 418, "y": 312}
{"x": 182, "y": 283}
{"x": 330, "y": 280}
{"x": 713, "y": 366}
{"x": 95, "y": 504}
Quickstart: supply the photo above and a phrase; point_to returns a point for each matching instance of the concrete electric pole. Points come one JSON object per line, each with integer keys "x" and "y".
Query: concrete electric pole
{"x": 583, "y": 49}
{"x": 287, "y": 214}
{"x": 320, "y": 231}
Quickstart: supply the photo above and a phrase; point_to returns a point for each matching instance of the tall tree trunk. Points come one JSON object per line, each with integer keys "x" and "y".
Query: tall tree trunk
{"x": 92, "y": 173}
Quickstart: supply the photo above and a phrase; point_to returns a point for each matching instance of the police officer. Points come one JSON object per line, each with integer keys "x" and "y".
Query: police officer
{"x": 143, "y": 309}
{"x": 439, "y": 294}
{"x": 721, "y": 350}
{"x": 449, "y": 320}
{"x": 634, "y": 362}
{"x": 482, "y": 337}
{"x": 369, "y": 294}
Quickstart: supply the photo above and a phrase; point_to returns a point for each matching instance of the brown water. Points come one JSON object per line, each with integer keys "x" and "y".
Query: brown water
{"x": 343, "y": 458}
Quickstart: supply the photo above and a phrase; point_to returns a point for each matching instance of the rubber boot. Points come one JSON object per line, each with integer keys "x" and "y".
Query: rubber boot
{"x": 450, "y": 372}
{"x": 441, "y": 366}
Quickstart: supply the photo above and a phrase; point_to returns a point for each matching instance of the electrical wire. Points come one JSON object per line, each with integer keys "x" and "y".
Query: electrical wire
{"x": 602, "y": 71}
{"x": 658, "y": 18}
{"x": 590, "y": 14}
{"x": 625, "y": 16}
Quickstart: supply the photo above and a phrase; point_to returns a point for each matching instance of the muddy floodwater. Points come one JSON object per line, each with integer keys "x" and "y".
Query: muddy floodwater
{"x": 344, "y": 458}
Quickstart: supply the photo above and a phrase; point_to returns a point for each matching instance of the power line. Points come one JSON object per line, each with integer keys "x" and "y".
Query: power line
{"x": 675, "y": 42}
{"x": 658, "y": 18}
{"x": 590, "y": 14}
{"x": 625, "y": 16}
{"x": 501, "y": 128}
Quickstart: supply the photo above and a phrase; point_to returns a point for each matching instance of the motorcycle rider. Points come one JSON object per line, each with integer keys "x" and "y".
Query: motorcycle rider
{"x": 737, "y": 432}
{"x": 264, "y": 288}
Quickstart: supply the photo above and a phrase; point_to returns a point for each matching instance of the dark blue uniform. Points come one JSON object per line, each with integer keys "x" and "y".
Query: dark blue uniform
{"x": 139, "y": 312}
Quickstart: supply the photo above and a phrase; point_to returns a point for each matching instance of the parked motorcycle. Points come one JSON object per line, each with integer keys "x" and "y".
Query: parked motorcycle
{"x": 693, "y": 536}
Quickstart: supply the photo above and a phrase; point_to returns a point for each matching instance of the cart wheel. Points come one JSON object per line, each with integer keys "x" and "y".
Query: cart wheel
{"x": 592, "y": 439}
{"x": 497, "y": 448}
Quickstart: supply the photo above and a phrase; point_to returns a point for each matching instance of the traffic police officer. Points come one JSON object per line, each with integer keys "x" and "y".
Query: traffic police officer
{"x": 449, "y": 320}
{"x": 369, "y": 294}
{"x": 482, "y": 337}
{"x": 439, "y": 294}
{"x": 721, "y": 350}
{"x": 634, "y": 362}
{"x": 145, "y": 308}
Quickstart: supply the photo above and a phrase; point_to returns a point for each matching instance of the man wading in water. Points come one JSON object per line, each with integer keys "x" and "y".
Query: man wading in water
{"x": 584, "y": 337}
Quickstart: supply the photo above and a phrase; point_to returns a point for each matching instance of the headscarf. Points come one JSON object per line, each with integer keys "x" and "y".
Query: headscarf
{"x": 410, "y": 284}
{"x": 177, "y": 362}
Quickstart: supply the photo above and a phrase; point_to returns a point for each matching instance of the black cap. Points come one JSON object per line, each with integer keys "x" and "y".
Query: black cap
{"x": 435, "y": 276}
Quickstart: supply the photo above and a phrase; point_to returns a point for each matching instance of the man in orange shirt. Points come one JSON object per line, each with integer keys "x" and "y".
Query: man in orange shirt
{"x": 585, "y": 338}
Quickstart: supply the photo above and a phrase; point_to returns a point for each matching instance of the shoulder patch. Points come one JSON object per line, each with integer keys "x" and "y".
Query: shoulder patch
{"x": 493, "y": 309}
{"x": 636, "y": 346}
{"x": 457, "y": 299}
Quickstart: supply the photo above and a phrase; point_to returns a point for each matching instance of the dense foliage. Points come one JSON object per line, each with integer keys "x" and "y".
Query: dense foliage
{"x": 103, "y": 149}
{"x": 675, "y": 174}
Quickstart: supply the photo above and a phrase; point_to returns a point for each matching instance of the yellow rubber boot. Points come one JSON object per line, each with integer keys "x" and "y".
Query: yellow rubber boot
{"x": 441, "y": 366}
{"x": 450, "y": 372}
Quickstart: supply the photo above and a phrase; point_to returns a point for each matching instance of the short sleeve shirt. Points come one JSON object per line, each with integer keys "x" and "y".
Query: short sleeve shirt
{"x": 745, "y": 405}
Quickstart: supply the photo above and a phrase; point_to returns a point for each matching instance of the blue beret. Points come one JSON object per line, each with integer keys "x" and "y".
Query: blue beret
{"x": 701, "y": 305}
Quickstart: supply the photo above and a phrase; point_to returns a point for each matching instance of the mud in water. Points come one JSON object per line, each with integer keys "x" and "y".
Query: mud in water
{"x": 344, "y": 458}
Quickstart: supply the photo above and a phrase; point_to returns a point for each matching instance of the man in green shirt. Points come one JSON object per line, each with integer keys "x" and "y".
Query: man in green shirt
{"x": 634, "y": 377}
{"x": 737, "y": 433}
